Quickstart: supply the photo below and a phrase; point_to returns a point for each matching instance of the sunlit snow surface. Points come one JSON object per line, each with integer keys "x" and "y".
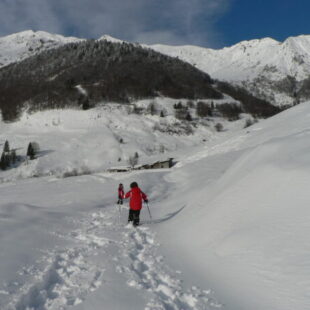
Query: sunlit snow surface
{"x": 230, "y": 220}
{"x": 18, "y": 46}
{"x": 256, "y": 65}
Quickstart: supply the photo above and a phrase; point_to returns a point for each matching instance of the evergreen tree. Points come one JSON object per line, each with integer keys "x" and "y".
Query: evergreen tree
{"x": 219, "y": 127}
{"x": 30, "y": 151}
{"x": 152, "y": 108}
{"x": 13, "y": 157}
{"x": 179, "y": 105}
{"x": 3, "y": 162}
{"x": 202, "y": 109}
{"x": 181, "y": 114}
{"x": 189, "y": 117}
{"x": 6, "y": 147}
{"x": 162, "y": 113}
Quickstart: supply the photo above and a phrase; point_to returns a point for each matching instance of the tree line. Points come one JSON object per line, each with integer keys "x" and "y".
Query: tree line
{"x": 10, "y": 158}
{"x": 107, "y": 71}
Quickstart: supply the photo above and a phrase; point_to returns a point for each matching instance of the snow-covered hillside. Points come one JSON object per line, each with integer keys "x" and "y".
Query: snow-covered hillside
{"x": 259, "y": 65}
{"x": 229, "y": 228}
{"x": 245, "y": 223}
{"x": 18, "y": 46}
{"x": 75, "y": 141}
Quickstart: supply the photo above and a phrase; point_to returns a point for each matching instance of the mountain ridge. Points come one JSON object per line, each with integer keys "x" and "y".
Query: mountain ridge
{"x": 19, "y": 46}
{"x": 278, "y": 72}
{"x": 272, "y": 70}
{"x": 106, "y": 71}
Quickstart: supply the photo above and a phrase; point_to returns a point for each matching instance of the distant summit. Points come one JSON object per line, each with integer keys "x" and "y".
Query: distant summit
{"x": 19, "y": 46}
{"x": 275, "y": 71}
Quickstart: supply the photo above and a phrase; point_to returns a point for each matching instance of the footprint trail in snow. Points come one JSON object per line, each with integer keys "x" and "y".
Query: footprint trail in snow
{"x": 68, "y": 276}
{"x": 146, "y": 270}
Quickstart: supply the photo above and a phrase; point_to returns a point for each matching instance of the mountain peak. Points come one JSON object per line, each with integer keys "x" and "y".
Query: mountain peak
{"x": 110, "y": 39}
{"x": 18, "y": 46}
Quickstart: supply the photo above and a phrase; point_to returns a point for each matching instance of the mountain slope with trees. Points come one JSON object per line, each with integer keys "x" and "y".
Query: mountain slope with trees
{"x": 85, "y": 73}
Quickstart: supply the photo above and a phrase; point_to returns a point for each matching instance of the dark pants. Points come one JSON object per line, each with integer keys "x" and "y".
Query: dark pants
{"x": 120, "y": 201}
{"x": 134, "y": 216}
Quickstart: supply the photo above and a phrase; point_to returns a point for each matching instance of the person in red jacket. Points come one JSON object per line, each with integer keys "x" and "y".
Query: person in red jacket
{"x": 136, "y": 196}
{"x": 120, "y": 194}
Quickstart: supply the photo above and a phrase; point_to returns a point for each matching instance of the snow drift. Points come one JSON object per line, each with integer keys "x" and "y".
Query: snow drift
{"x": 245, "y": 223}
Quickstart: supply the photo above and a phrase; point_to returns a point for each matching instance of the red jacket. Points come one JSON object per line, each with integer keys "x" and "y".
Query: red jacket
{"x": 120, "y": 193}
{"x": 136, "y": 196}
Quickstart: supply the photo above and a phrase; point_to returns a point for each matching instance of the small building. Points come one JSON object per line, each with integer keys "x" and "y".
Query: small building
{"x": 162, "y": 164}
{"x": 138, "y": 167}
{"x": 119, "y": 169}
{"x": 157, "y": 165}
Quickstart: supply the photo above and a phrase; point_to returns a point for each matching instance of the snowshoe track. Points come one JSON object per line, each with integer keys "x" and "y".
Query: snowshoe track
{"x": 146, "y": 270}
{"x": 70, "y": 275}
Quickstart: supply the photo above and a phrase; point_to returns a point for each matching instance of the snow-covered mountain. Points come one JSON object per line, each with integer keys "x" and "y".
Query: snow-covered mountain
{"x": 18, "y": 46}
{"x": 269, "y": 69}
{"x": 275, "y": 71}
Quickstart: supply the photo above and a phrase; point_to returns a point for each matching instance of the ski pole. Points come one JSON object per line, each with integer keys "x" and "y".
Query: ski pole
{"x": 149, "y": 210}
{"x": 119, "y": 212}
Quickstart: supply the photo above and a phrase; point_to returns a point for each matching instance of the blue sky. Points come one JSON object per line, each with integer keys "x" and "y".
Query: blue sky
{"x": 210, "y": 23}
{"x": 249, "y": 19}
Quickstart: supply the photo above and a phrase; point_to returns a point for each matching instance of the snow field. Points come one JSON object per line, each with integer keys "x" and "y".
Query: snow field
{"x": 71, "y": 275}
{"x": 250, "y": 217}
{"x": 75, "y": 142}
{"x": 231, "y": 217}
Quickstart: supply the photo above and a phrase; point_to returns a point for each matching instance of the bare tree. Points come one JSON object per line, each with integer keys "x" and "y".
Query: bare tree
{"x": 133, "y": 160}
{"x": 219, "y": 127}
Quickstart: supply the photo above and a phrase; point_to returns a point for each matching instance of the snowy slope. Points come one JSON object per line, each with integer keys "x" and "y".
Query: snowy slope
{"x": 18, "y": 46}
{"x": 246, "y": 218}
{"x": 230, "y": 221}
{"x": 61, "y": 240}
{"x": 256, "y": 64}
{"x": 248, "y": 59}
{"x": 102, "y": 137}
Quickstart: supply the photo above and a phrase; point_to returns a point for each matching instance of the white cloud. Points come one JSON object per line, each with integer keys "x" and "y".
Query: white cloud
{"x": 163, "y": 37}
{"x": 150, "y": 21}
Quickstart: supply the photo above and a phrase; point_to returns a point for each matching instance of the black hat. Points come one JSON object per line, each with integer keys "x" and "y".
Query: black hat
{"x": 133, "y": 184}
